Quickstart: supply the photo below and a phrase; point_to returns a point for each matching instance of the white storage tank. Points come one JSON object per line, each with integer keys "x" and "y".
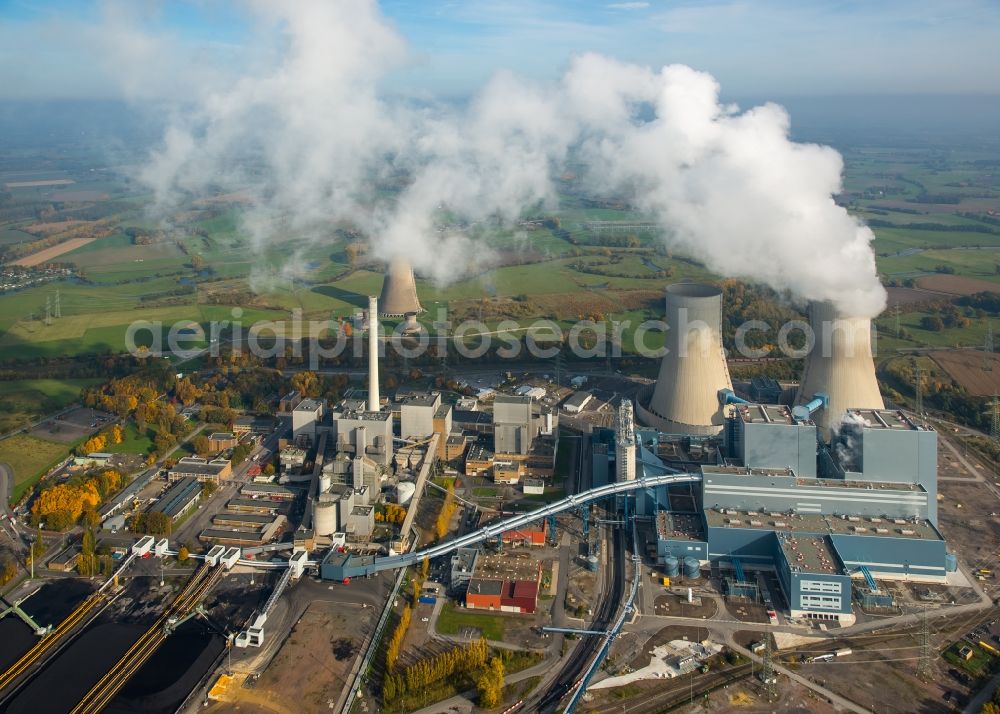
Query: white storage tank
{"x": 325, "y": 521}
{"x": 325, "y": 481}
{"x": 404, "y": 492}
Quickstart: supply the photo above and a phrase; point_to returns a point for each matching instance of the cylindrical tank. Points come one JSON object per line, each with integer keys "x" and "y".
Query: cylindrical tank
{"x": 325, "y": 519}
{"x": 592, "y": 563}
{"x": 671, "y": 566}
{"x": 692, "y": 568}
{"x": 951, "y": 562}
{"x": 685, "y": 398}
{"x": 404, "y": 492}
{"x": 325, "y": 481}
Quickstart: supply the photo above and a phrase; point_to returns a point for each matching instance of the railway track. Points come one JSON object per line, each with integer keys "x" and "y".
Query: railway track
{"x": 587, "y": 648}
{"x": 101, "y": 694}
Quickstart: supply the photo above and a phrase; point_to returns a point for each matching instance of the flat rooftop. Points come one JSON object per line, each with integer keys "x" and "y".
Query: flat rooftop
{"x": 308, "y": 405}
{"x": 257, "y": 503}
{"x": 765, "y": 414}
{"x": 819, "y": 523}
{"x": 511, "y": 399}
{"x": 421, "y": 399}
{"x": 679, "y": 526}
{"x": 810, "y": 554}
{"x": 886, "y": 419}
{"x": 519, "y": 566}
{"x": 248, "y": 518}
{"x": 866, "y": 485}
{"x": 708, "y": 470}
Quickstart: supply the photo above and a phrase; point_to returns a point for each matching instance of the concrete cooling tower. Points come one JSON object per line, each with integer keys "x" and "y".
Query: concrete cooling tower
{"x": 399, "y": 290}
{"x": 840, "y": 366}
{"x": 693, "y": 371}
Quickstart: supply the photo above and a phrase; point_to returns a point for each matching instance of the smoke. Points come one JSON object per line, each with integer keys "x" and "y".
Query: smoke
{"x": 308, "y": 132}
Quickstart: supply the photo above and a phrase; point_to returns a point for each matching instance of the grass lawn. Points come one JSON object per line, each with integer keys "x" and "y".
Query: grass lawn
{"x": 134, "y": 441}
{"x": 453, "y": 620}
{"x": 22, "y": 400}
{"x": 30, "y": 458}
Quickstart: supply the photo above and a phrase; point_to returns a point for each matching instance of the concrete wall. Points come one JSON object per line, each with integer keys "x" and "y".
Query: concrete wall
{"x": 777, "y": 493}
{"x": 754, "y": 546}
{"x": 681, "y": 549}
{"x": 915, "y": 558}
{"x": 766, "y": 445}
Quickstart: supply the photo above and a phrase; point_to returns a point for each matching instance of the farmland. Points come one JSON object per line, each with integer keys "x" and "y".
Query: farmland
{"x": 977, "y": 371}
{"x": 933, "y": 211}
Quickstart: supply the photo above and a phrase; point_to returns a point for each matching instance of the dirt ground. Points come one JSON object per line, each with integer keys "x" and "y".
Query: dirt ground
{"x": 49, "y": 254}
{"x": 955, "y": 284}
{"x": 747, "y": 611}
{"x": 909, "y": 296}
{"x": 311, "y": 668}
{"x": 966, "y": 368}
{"x": 676, "y": 605}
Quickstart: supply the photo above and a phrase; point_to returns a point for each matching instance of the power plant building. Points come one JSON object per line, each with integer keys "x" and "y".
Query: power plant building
{"x": 829, "y": 494}
{"x": 514, "y": 428}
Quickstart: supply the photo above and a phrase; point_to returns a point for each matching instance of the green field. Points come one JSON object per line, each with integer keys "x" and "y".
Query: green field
{"x": 906, "y": 189}
{"x": 134, "y": 442}
{"x": 23, "y": 400}
{"x": 453, "y": 620}
{"x": 30, "y": 458}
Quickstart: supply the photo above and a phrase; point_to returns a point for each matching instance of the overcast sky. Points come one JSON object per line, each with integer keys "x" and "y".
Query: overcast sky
{"x": 85, "y": 48}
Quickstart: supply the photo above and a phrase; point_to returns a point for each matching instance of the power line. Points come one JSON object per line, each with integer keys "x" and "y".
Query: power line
{"x": 924, "y": 668}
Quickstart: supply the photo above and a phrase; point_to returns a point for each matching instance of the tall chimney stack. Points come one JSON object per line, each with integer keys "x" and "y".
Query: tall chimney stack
{"x": 373, "y": 395}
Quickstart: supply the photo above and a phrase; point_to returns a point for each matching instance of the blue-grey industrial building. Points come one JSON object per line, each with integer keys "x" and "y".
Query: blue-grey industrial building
{"x": 828, "y": 519}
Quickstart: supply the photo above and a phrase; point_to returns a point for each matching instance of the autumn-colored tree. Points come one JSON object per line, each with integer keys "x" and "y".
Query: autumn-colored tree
{"x": 448, "y": 509}
{"x": 94, "y": 444}
{"x": 490, "y": 684}
{"x": 65, "y": 501}
{"x": 201, "y": 445}
{"x": 183, "y": 554}
{"x": 396, "y": 641}
{"x": 116, "y": 435}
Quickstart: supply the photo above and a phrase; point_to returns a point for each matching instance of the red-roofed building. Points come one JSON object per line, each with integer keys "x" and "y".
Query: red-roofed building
{"x": 519, "y": 596}
{"x": 529, "y": 535}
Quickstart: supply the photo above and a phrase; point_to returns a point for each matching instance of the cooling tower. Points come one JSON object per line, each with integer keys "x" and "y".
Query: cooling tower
{"x": 399, "y": 290}
{"x": 685, "y": 399}
{"x": 840, "y": 366}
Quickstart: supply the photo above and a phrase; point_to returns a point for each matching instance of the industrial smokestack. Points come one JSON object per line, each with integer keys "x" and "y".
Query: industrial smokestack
{"x": 373, "y": 395}
{"x": 693, "y": 371}
{"x": 399, "y": 289}
{"x": 839, "y": 366}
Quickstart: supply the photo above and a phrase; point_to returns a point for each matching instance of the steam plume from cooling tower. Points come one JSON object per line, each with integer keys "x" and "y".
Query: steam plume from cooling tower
{"x": 307, "y": 130}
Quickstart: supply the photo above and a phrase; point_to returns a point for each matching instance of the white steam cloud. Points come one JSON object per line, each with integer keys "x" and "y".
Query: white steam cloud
{"x": 306, "y": 135}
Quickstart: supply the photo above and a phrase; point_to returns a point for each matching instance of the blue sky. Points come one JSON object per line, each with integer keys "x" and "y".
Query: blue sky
{"x": 754, "y": 48}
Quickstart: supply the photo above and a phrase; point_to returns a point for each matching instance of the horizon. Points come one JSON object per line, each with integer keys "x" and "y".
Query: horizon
{"x": 90, "y": 49}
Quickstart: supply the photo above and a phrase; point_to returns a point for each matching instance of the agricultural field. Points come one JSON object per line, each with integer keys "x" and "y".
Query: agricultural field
{"x": 977, "y": 371}
{"x": 932, "y": 210}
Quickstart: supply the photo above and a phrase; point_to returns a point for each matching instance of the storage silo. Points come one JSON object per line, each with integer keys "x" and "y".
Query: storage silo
{"x": 325, "y": 481}
{"x": 693, "y": 371}
{"x": 592, "y": 563}
{"x": 672, "y": 566}
{"x": 325, "y": 518}
{"x": 692, "y": 568}
{"x": 404, "y": 492}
